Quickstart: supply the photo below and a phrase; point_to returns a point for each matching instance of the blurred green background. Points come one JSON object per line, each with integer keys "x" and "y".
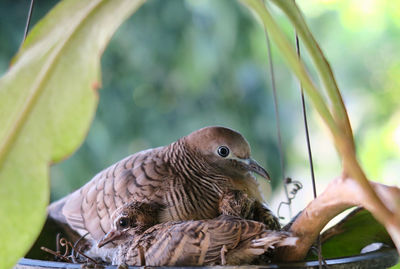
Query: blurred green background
{"x": 180, "y": 65}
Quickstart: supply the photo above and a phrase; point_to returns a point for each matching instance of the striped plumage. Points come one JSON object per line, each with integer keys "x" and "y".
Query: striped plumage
{"x": 223, "y": 240}
{"x": 240, "y": 204}
{"x": 186, "y": 177}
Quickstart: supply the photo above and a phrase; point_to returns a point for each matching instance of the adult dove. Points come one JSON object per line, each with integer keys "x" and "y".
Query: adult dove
{"x": 223, "y": 240}
{"x": 187, "y": 177}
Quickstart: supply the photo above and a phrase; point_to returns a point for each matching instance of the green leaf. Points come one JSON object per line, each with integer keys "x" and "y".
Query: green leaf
{"x": 47, "y": 100}
{"x": 357, "y": 230}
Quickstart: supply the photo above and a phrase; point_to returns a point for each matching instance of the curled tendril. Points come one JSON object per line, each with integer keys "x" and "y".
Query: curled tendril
{"x": 71, "y": 253}
{"x": 294, "y": 187}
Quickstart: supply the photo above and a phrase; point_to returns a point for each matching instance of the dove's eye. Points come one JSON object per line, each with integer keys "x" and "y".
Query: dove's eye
{"x": 123, "y": 222}
{"x": 223, "y": 151}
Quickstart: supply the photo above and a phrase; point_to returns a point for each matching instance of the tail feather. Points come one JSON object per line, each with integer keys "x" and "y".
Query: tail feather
{"x": 289, "y": 241}
{"x": 54, "y": 210}
{"x": 275, "y": 239}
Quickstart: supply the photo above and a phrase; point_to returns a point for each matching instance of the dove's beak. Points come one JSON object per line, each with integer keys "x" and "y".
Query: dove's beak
{"x": 109, "y": 237}
{"x": 253, "y": 166}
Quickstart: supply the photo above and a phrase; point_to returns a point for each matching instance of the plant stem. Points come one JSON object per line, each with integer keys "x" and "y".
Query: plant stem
{"x": 322, "y": 66}
{"x": 296, "y": 65}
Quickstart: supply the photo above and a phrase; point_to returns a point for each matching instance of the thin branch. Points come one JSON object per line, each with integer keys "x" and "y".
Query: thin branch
{"x": 57, "y": 254}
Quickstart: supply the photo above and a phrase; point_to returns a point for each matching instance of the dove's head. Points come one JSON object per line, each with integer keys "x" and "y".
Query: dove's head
{"x": 225, "y": 150}
{"x": 129, "y": 220}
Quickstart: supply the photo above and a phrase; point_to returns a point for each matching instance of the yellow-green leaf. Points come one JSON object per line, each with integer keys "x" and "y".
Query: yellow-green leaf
{"x": 47, "y": 100}
{"x": 357, "y": 230}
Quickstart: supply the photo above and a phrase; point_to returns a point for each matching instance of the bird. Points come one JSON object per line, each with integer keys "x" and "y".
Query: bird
{"x": 225, "y": 240}
{"x": 238, "y": 203}
{"x": 187, "y": 177}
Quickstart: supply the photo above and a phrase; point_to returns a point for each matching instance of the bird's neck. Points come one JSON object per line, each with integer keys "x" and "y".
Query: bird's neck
{"x": 193, "y": 183}
{"x": 250, "y": 186}
{"x": 190, "y": 164}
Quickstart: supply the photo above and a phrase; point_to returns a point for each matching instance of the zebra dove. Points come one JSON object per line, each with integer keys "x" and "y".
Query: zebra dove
{"x": 223, "y": 240}
{"x": 187, "y": 177}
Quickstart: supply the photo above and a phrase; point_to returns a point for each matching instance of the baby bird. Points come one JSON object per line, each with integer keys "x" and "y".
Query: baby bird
{"x": 223, "y": 240}
{"x": 187, "y": 177}
{"x": 240, "y": 204}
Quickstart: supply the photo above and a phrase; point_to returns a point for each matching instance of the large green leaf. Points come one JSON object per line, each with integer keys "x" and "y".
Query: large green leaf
{"x": 47, "y": 100}
{"x": 352, "y": 234}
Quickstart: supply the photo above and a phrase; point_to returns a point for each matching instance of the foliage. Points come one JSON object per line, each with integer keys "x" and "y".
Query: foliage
{"x": 357, "y": 230}
{"x": 180, "y": 65}
{"x": 47, "y": 100}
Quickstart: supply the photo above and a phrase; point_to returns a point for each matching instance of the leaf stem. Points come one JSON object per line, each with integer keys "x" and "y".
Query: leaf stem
{"x": 289, "y": 54}
{"x": 292, "y": 11}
